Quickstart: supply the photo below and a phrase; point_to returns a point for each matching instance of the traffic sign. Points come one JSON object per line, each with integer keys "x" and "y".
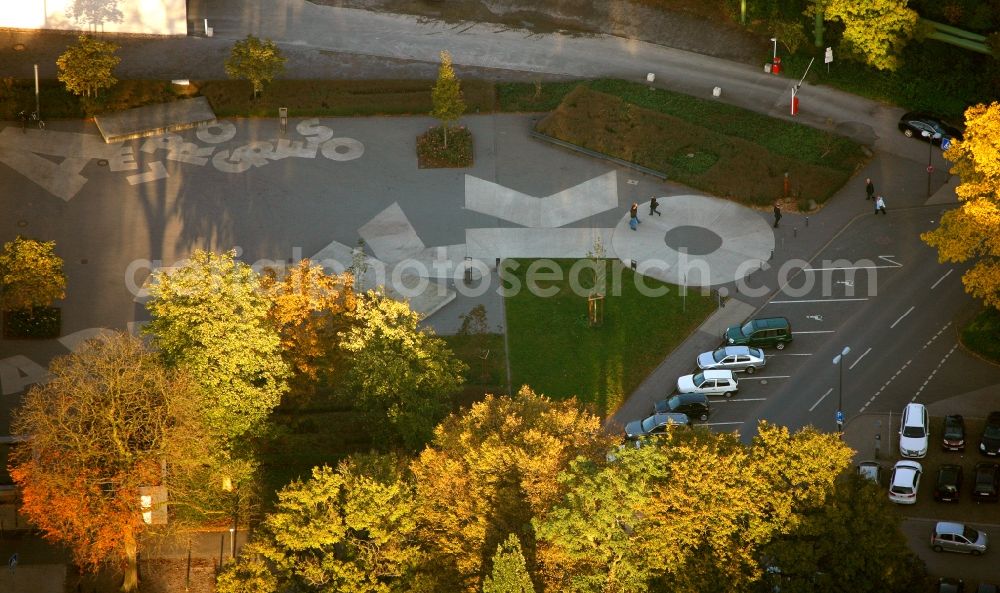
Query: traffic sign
{"x": 930, "y": 168}
{"x": 840, "y": 416}
{"x": 828, "y": 57}
{"x": 945, "y": 143}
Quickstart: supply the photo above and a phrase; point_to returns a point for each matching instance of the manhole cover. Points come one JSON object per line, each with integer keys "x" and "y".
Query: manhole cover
{"x": 102, "y": 162}
{"x": 18, "y": 47}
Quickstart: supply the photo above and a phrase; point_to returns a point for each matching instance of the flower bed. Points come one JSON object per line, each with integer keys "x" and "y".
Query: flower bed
{"x": 38, "y": 323}
{"x": 431, "y": 153}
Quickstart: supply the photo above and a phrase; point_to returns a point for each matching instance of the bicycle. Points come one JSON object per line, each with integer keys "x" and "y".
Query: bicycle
{"x": 38, "y": 120}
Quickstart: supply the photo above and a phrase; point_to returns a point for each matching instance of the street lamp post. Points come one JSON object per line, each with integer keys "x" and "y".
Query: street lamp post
{"x": 839, "y": 361}
{"x": 774, "y": 52}
{"x": 930, "y": 150}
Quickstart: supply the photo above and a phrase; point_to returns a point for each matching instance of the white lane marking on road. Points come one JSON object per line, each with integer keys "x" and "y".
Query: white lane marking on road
{"x": 815, "y": 317}
{"x": 889, "y": 259}
{"x": 721, "y": 423}
{"x": 822, "y": 397}
{"x": 741, "y": 399}
{"x": 886, "y": 384}
{"x": 856, "y": 361}
{"x": 948, "y": 273}
{"x": 790, "y": 353}
{"x": 758, "y": 378}
{"x": 815, "y": 331}
{"x": 815, "y": 301}
{"x": 908, "y": 311}
{"x": 934, "y": 372}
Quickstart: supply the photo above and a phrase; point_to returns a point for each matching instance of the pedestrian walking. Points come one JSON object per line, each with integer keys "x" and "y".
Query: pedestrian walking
{"x": 777, "y": 215}
{"x": 879, "y": 206}
{"x": 634, "y": 211}
{"x": 869, "y": 189}
{"x": 653, "y": 205}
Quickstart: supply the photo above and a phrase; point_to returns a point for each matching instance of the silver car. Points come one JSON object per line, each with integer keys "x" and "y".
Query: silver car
{"x": 956, "y": 537}
{"x": 709, "y": 383}
{"x": 733, "y": 358}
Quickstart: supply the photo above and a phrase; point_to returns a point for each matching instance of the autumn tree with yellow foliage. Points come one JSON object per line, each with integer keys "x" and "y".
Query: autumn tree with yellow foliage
{"x": 875, "y": 31}
{"x": 307, "y": 308}
{"x": 972, "y": 231}
{"x": 490, "y": 471}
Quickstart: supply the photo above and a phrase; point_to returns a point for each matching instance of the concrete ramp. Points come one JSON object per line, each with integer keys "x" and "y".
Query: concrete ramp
{"x": 152, "y": 120}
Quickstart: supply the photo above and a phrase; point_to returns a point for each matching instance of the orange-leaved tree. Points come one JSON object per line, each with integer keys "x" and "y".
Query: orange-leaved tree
{"x": 307, "y": 307}
{"x": 110, "y": 421}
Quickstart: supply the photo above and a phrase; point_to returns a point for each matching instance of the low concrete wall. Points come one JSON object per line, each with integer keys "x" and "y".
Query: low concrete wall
{"x": 148, "y": 17}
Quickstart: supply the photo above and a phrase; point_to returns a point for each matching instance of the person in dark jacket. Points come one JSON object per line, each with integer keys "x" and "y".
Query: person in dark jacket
{"x": 869, "y": 189}
{"x": 777, "y": 215}
{"x": 653, "y": 207}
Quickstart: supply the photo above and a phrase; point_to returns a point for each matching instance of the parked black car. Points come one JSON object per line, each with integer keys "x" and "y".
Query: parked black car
{"x": 987, "y": 484}
{"x": 915, "y": 123}
{"x": 695, "y": 405}
{"x": 989, "y": 444}
{"x": 949, "y": 483}
{"x": 949, "y": 585}
{"x": 953, "y": 437}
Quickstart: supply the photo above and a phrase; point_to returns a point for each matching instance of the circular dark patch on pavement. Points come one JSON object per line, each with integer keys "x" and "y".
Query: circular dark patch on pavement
{"x": 102, "y": 162}
{"x": 694, "y": 240}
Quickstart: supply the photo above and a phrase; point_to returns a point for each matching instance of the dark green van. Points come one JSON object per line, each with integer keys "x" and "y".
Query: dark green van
{"x": 761, "y": 333}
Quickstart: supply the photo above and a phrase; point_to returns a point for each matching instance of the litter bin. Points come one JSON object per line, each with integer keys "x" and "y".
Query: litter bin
{"x": 776, "y": 65}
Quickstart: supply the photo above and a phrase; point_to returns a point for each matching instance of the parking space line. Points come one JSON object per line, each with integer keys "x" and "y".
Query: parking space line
{"x": 789, "y": 353}
{"x": 908, "y": 311}
{"x": 815, "y": 331}
{"x": 758, "y": 378}
{"x": 740, "y": 399}
{"x": 948, "y": 273}
{"x": 815, "y": 301}
{"x": 720, "y": 423}
{"x": 821, "y": 398}
{"x": 859, "y": 359}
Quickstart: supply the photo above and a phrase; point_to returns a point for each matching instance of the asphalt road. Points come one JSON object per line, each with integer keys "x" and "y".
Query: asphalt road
{"x": 972, "y": 569}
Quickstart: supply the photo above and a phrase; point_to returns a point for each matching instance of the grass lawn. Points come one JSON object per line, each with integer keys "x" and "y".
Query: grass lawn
{"x": 981, "y": 333}
{"x": 555, "y": 351}
{"x": 723, "y": 150}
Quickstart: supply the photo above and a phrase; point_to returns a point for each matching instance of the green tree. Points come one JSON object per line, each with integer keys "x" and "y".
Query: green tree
{"x": 31, "y": 274}
{"x": 509, "y": 573}
{"x": 88, "y": 67}
{"x": 875, "y": 31}
{"x": 342, "y": 530}
{"x": 489, "y": 471}
{"x": 972, "y": 231}
{"x": 258, "y": 61}
{"x": 399, "y": 370}
{"x": 211, "y": 317}
{"x": 850, "y": 544}
{"x": 108, "y": 422}
{"x": 448, "y": 104}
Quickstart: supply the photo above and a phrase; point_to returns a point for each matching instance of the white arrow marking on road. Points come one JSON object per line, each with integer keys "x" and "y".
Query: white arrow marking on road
{"x": 908, "y": 311}
{"x": 888, "y": 259}
{"x": 845, "y": 282}
{"x": 822, "y": 397}
{"x": 948, "y": 273}
{"x": 859, "y": 359}
{"x": 815, "y": 317}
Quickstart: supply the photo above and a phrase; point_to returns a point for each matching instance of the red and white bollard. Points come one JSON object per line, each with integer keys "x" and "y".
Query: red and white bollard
{"x": 795, "y": 103}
